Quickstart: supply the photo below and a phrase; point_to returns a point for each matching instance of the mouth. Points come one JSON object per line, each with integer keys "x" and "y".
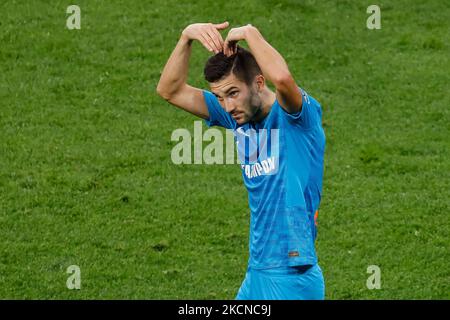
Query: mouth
{"x": 236, "y": 115}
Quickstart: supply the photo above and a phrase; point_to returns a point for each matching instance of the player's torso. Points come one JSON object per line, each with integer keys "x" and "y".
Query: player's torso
{"x": 277, "y": 158}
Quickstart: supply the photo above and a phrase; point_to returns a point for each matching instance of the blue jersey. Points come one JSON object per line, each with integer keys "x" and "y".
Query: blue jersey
{"x": 282, "y": 167}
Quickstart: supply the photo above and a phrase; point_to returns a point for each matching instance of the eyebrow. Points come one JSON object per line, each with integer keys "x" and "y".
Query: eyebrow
{"x": 228, "y": 90}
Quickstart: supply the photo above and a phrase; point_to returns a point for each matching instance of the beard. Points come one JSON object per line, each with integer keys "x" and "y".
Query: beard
{"x": 255, "y": 104}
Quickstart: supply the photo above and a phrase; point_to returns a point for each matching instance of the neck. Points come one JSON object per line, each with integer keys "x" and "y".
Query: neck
{"x": 267, "y": 100}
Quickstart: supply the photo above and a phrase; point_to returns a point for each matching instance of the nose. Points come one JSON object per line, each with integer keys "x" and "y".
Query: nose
{"x": 229, "y": 106}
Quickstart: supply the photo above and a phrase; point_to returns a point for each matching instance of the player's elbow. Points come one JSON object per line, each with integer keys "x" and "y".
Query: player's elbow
{"x": 163, "y": 92}
{"x": 283, "y": 79}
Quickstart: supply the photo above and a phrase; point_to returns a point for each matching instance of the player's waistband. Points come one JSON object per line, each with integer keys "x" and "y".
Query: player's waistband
{"x": 285, "y": 270}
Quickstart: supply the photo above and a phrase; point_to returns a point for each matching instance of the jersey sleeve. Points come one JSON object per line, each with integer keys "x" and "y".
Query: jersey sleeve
{"x": 217, "y": 116}
{"x": 309, "y": 116}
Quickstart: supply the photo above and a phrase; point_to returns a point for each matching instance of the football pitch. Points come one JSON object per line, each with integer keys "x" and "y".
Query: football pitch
{"x": 87, "y": 179}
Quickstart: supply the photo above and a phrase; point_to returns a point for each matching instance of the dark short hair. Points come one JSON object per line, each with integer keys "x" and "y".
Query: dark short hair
{"x": 242, "y": 64}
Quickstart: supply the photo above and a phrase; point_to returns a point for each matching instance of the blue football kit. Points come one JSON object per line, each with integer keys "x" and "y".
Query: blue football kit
{"x": 281, "y": 158}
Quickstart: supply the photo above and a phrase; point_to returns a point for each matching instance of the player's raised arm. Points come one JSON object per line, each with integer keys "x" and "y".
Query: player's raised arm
{"x": 172, "y": 85}
{"x": 272, "y": 65}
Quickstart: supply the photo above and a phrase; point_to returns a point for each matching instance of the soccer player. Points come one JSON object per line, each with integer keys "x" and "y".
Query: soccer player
{"x": 281, "y": 144}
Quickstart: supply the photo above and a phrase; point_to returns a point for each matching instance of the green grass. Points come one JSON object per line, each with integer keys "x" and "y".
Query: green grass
{"x": 85, "y": 170}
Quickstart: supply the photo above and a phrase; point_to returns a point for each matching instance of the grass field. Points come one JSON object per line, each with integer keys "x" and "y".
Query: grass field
{"x": 86, "y": 176}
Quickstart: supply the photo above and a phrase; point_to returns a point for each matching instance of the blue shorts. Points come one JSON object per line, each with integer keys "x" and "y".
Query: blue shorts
{"x": 283, "y": 283}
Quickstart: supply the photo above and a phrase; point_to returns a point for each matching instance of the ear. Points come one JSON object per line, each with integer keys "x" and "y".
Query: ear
{"x": 260, "y": 82}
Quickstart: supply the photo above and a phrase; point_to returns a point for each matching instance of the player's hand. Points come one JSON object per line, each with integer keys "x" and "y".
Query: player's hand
{"x": 234, "y": 35}
{"x": 208, "y": 35}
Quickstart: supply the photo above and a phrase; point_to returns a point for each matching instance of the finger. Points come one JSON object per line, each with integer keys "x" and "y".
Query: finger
{"x": 214, "y": 41}
{"x": 230, "y": 50}
{"x": 206, "y": 43}
{"x": 221, "y": 26}
{"x": 235, "y": 48}
{"x": 219, "y": 37}
{"x": 228, "y": 47}
{"x": 226, "y": 51}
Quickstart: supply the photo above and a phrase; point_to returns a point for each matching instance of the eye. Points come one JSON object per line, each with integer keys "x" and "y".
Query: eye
{"x": 233, "y": 94}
